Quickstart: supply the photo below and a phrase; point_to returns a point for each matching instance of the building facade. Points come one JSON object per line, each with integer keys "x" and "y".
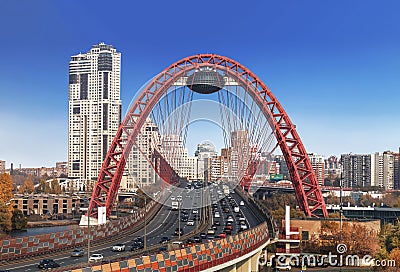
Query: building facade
{"x": 94, "y": 109}
{"x": 383, "y": 170}
{"x": 2, "y": 167}
{"x": 356, "y": 170}
{"x": 317, "y": 162}
{"x": 47, "y": 204}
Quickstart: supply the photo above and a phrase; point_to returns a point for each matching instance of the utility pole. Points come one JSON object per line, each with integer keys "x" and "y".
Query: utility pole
{"x": 88, "y": 225}
{"x": 145, "y": 211}
{"x": 179, "y": 220}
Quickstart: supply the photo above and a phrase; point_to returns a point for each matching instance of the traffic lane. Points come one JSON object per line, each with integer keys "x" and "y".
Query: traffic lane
{"x": 65, "y": 259}
{"x": 248, "y": 213}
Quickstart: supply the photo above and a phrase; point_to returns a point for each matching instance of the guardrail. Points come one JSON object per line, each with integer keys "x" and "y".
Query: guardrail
{"x": 194, "y": 258}
{"x": 39, "y": 245}
{"x": 272, "y": 227}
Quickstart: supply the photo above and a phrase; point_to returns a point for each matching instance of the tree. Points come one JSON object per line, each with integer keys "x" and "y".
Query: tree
{"x": 367, "y": 200}
{"x": 28, "y": 186}
{"x": 43, "y": 187}
{"x": 6, "y": 188}
{"x": 55, "y": 186}
{"x": 19, "y": 221}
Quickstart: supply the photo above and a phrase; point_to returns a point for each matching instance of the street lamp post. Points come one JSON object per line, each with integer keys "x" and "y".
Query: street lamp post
{"x": 145, "y": 211}
{"x": 88, "y": 225}
{"x": 179, "y": 220}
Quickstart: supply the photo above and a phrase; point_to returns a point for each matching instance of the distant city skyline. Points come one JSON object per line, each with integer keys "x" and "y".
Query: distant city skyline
{"x": 333, "y": 68}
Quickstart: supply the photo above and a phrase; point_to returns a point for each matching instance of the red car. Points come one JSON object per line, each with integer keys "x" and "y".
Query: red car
{"x": 222, "y": 235}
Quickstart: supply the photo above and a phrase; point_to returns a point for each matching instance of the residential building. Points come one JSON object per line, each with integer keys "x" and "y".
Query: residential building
{"x": 94, "y": 109}
{"x": 204, "y": 151}
{"x": 396, "y": 174}
{"x": 47, "y": 205}
{"x": 138, "y": 169}
{"x": 356, "y": 170}
{"x": 317, "y": 162}
{"x": 240, "y": 154}
{"x": 2, "y": 167}
{"x": 383, "y": 170}
{"x": 283, "y": 168}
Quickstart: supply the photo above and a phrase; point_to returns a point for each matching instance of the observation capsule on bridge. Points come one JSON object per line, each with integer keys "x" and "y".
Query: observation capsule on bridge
{"x": 205, "y": 80}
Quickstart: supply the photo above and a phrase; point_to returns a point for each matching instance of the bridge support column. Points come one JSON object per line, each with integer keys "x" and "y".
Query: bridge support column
{"x": 245, "y": 266}
{"x": 255, "y": 261}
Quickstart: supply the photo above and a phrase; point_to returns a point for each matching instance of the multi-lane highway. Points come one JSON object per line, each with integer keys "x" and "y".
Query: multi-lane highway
{"x": 192, "y": 198}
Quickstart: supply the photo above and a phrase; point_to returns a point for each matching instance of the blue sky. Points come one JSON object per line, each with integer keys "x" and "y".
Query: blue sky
{"x": 333, "y": 65}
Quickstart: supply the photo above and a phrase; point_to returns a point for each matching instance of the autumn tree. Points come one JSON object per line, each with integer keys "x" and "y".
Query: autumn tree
{"x": 28, "y": 186}
{"x": 43, "y": 187}
{"x": 6, "y": 188}
{"x": 55, "y": 186}
{"x": 19, "y": 220}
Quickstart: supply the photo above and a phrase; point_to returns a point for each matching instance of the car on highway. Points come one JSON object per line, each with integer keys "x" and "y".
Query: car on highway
{"x": 195, "y": 211}
{"x": 210, "y": 238}
{"x": 164, "y": 240}
{"x": 222, "y": 235}
{"x": 217, "y": 223}
{"x": 178, "y": 231}
{"x": 197, "y": 239}
{"x": 48, "y": 264}
{"x": 77, "y": 252}
{"x": 118, "y": 247}
{"x": 96, "y": 257}
{"x": 241, "y": 203}
{"x": 138, "y": 239}
{"x": 203, "y": 235}
{"x": 227, "y": 230}
{"x": 243, "y": 226}
{"x": 190, "y": 223}
{"x": 136, "y": 246}
{"x": 210, "y": 232}
{"x": 236, "y": 209}
{"x": 217, "y": 215}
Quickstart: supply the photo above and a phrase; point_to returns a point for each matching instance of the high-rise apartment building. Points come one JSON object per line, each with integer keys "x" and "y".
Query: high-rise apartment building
{"x": 356, "y": 170}
{"x": 396, "y": 179}
{"x": 383, "y": 170}
{"x": 204, "y": 151}
{"x": 2, "y": 167}
{"x": 94, "y": 109}
{"x": 138, "y": 170}
{"x": 317, "y": 162}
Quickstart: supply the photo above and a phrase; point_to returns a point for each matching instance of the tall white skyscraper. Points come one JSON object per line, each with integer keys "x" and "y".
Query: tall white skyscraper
{"x": 94, "y": 109}
{"x": 317, "y": 162}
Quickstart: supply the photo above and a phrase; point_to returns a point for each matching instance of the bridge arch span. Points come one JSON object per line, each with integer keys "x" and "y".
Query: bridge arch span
{"x": 306, "y": 187}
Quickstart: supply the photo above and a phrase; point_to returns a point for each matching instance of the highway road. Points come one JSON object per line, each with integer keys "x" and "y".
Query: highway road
{"x": 164, "y": 224}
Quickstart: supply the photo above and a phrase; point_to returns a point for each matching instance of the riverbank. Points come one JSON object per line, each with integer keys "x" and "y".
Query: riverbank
{"x": 52, "y": 223}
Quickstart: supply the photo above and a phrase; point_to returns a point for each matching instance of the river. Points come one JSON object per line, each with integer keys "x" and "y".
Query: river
{"x": 42, "y": 230}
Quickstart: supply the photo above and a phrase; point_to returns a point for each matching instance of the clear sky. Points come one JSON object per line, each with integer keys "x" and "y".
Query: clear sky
{"x": 334, "y": 65}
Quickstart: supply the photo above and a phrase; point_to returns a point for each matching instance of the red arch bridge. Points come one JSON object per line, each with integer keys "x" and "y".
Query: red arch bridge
{"x": 251, "y": 117}
{"x": 154, "y": 131}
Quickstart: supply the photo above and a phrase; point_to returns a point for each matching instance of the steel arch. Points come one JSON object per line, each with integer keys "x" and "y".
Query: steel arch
{"x": 306, "y": 187}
